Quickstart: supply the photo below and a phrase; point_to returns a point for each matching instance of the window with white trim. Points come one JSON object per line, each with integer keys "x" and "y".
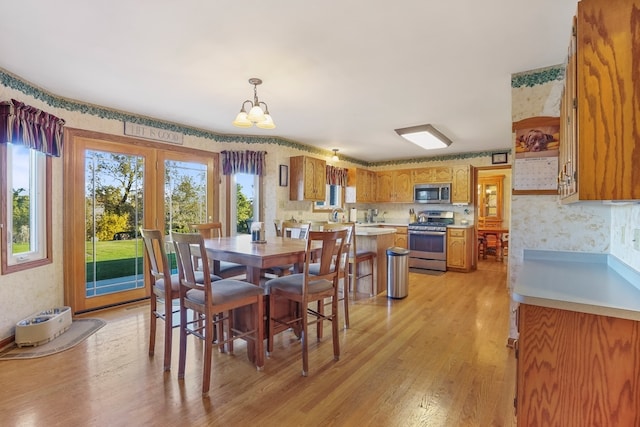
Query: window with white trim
{"x": 26, "y": 207}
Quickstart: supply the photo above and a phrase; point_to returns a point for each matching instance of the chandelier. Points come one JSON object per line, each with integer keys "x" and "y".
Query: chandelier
{"x": 256, "y": 115}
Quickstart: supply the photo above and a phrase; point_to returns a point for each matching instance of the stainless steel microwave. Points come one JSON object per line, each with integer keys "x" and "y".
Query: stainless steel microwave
{"x": 432, "y": 193}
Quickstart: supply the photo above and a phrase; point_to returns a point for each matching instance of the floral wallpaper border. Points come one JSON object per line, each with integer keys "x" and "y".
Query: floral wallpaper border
{"x": 538, "y": 76}
{"x": 14, "y": 82}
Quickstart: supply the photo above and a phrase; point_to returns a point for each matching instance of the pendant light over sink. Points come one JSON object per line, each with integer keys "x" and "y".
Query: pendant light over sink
{"x": 256, "y": 115}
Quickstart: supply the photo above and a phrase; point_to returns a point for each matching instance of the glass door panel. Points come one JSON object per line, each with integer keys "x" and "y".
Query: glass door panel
{"x": 185, "y": 195}
{"x": 113, "y": 187}
{"x": 114, "y": 208}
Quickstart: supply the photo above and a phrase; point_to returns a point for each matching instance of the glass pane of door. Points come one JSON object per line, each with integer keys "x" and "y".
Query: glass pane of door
{"x": 185, "y": 195}
{"x": 114, "y": 209}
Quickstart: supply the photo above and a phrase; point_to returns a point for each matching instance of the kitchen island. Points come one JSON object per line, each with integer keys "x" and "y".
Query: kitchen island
{"x": 579, "y": 342}
{"x": 376, "y": 239}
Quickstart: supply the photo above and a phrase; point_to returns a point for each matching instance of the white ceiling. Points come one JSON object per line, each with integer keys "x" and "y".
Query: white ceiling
{"x": 337, "y": 74}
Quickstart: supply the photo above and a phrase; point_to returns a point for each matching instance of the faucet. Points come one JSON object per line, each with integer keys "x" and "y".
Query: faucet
{"x": 333, "y": 216}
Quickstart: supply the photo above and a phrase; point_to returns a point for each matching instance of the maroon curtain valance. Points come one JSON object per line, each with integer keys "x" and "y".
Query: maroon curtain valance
{"x": 31, "y": 127}
{"x": 250, "y": 162}
{"x": 336, "y": 176}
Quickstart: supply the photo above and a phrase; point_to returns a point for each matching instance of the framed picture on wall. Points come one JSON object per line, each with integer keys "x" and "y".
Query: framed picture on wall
{"x": 284, "y": 175}
{"x": 499, "y": 158}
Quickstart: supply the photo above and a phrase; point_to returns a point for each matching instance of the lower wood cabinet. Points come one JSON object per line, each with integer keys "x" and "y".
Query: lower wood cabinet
{"x": 576, "y": 369}
{"x": 460, "y": 249}
{"x": 402, "y": 237}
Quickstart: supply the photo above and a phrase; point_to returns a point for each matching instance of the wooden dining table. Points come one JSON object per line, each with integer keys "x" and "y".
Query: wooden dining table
{"x": 257, "y": 257}
{"x": 498, "y": 233}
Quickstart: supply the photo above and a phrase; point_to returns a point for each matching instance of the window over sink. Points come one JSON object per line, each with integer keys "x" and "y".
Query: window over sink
{"x": 334, "y": 199}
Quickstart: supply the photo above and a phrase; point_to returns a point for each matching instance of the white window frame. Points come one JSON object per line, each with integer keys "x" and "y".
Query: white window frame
{"x": 326, "y": 205}
{"x": 233, "y": 198}
{"x": 39, "y": 175}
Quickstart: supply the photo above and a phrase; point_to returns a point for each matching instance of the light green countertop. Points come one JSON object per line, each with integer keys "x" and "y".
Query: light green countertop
{"x": 583, "y": 282}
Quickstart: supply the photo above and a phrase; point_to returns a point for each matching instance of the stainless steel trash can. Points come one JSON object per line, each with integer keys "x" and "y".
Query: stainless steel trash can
{"x": 397, "y": 272}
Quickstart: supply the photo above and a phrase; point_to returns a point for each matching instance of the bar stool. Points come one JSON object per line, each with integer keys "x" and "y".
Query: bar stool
{"x": 356, "y": 257}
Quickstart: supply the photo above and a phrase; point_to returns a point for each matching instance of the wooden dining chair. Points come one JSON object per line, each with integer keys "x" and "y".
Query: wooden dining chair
{"x": 276, "y": 225}
{"x": 289, "y": 229}
{"x": 216, "y": 301}
{"x": 224, "y": 269}
{"x": 305, "y": 288}
{"x": 343, "y": 273}
{"x": 490, "y": 245}
{"x": 295, "y": 230}
{"x": 164, "y": 289}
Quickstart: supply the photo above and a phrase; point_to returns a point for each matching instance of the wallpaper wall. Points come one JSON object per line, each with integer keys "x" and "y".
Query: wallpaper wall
{"x": 541, "y": 222}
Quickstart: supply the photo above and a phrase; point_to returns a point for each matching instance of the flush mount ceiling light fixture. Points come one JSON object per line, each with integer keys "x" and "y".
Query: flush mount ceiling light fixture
{"x": 256, "y": 115}
{"x": 425, "y": 136}
{"x": 335, "y": 157}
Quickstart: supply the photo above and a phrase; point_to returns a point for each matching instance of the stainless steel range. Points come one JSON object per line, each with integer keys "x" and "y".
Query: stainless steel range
{"x": 428, "y": 240}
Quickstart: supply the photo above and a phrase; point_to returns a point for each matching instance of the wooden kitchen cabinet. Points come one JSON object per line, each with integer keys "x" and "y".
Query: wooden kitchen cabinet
{"x": 600, "y": 118}
{"x": 394, "y": 186}
{"x": 576, "y": 369}
{"x": 361, "y": 186}
{"x": 432, "y": 174}
{"x": 460, "y": 249}
{"x": 307, "y": 178}
{"x": 462, "y": 185}
{"x": 402, "y": 237}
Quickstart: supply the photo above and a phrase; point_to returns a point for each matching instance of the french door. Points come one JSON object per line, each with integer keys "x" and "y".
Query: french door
{"x": 113, "y": 187}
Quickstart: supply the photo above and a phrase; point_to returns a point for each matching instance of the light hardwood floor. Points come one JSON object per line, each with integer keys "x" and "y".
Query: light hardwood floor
{"x": 437, "y": 358}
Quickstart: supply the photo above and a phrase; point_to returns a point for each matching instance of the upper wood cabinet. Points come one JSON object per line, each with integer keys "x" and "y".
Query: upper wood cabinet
{"x": 434, "y": 174}
{"x": 600, "y": 118}
{"x": 394, "y": 186}
{"x": 462, "y": 185}
{"x": 490, "y": 201}
{"x": 308, "y": 179}
{"x": 361, "y": 186}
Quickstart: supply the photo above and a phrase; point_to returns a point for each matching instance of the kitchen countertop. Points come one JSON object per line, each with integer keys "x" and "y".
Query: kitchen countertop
{"x": 381, "y": 224}
{"x": 373, "y": 231}
{"x": 582, "y": 282}
{"x": 404, "y": 224}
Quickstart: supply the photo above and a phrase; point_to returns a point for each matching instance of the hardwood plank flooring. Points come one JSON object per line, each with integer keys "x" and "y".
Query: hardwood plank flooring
{"x": 436, "y": 358}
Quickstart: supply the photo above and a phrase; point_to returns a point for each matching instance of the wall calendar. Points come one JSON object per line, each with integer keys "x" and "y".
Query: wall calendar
{"x": 536, "y": 148}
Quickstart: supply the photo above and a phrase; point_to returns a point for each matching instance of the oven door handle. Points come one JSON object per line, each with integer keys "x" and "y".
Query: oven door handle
{"x": 428, "y": 233}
